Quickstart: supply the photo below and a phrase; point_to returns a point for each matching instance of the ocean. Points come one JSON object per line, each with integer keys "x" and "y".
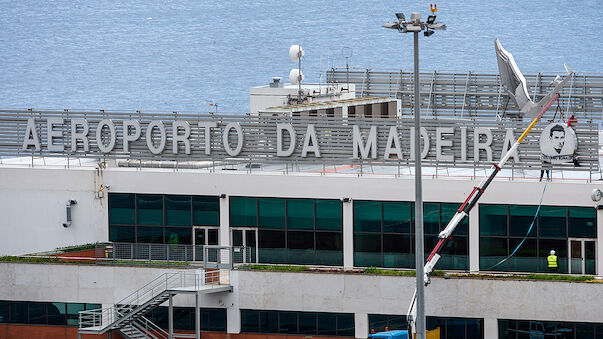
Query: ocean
{"x": 185, "y": 55}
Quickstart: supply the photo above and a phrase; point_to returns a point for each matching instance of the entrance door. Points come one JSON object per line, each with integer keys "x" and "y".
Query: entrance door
{"x": 582, "y": 256}
{"x": 246, "y": 238}
{"x": 203, "y": 236}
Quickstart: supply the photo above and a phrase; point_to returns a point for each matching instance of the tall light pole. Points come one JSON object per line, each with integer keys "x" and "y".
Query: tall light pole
{"x": 415, "y": 25}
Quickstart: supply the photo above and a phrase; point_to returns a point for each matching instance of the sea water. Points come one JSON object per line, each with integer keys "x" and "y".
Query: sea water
{"x": 192, "y": 55}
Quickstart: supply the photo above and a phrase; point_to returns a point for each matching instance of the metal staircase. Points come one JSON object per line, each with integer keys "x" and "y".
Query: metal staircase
{"x": 127, "y": 315}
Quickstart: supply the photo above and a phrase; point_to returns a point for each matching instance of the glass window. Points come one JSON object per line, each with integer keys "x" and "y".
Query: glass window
{"x": 178, "y": 236}
{"x": 520, "y": 219}
{"x": 177, "y": 210}
{"x": 447, "y": 211}
{"x": 560, "y": 247}
{"x": 57, "y": 314}
{"x": 367, "y": 216}
{"x": 250, "y": 321}
{"x": 37, "y": 313}
{"x": 329, "y": 248}
{"x": 300, "y": 246}
{"x": 149, "y": 235}
{"x": 73, "y": 316}
{"x": 287, "y": 322}
{"x": 431, "y": 218}
{"x": 491, "y": 252}
{"x": 526, "y": 257}
{"x": 493, "y": 219}
{"x": 345, "y": 325}
{"x": 367, "y": 249}
{"x": 308, "y": 323}
{"x": 4, "y": 311}
{"x": 121, "y": 209}
{"x": 272, "y": 246}
{"x": 582, "y": 222}
{"x": 206, "y": 211}
{"x": 397, "y": 250}
{"x": 122, "y": 234}
{"x": 268, "y": 321}
{"x": 149, "y": 209}
{"x": 455, "y": 254}
{"x": 184, "y": 318}
{"x": 18, "y": 312}
{"x": 300, "y": 214}
{"x": 396, "y": 217}
{"x": 329, "y": 215}
{"x": 216, "y": 319}
{"x": 271, "y": 213}
{"x": 551, "y": 222}
{"x": 327, "y": 324}
{"x": 243, "y": 211}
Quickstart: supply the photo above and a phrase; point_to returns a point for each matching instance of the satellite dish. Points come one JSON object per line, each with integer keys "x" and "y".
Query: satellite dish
{"x": 295, "y": 53}
{"x": 294, "y": 76}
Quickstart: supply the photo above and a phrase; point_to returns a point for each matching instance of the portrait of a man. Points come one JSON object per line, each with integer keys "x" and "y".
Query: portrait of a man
{"x": 557, "y": 135}
{"x": 558, "y": 144}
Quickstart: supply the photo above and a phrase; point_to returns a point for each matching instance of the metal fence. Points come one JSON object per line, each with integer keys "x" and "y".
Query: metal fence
{"x": 472, "y": 95}
{"x": 172, "y": 254}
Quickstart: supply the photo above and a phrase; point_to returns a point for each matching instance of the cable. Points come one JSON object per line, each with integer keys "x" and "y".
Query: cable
{"x": 527, "y": 233}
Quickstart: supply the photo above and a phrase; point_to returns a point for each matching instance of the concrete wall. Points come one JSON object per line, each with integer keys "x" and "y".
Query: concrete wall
{"x": 489, "y": 299}
{"x": 32, "y": 201}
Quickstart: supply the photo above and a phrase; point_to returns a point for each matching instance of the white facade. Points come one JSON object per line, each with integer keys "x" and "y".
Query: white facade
{"x": 33, "y": 199}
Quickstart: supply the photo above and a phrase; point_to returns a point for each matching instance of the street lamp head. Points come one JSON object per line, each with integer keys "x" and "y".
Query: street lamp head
{"x": 400, "y": 17}
{"x": 431, "y": 19}
{"x": 415, "y": 18}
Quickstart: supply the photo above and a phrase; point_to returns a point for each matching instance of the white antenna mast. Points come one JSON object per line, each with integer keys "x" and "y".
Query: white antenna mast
{"x": 296, "y": 76}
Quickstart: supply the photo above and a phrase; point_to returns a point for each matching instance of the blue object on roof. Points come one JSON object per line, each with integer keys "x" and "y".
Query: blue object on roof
{"x": 396, "y": 334}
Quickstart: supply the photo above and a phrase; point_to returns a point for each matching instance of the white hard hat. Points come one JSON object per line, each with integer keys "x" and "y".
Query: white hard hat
{"x": 552, "y": 252}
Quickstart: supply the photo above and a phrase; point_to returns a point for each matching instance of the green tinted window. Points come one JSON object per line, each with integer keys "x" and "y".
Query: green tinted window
{"x": 431, "y": 217}
{"x": 396, "y": 217}
{"x": 329, "y": 215}
{"x": 271, "y": 213}
{"x": 493, "y": 220}
{"x": 177, "y": 210}
{"x": 150, "y": 209}
{"x": 447, "y": 211}
{"x": 206, "y": 211}
{"x": 520, "y": 219}
{"x": 582, "y": 222}
{"x": 149, "y": 234}
{"x": 122, "y": 234}
{"x": 491, "y": 252}
{"x": 551, "y": 222}
{"x": 367, "y": 216}
{"x": 300, "y": 214}
{"x": 243, "y": 211}
{"x": 121, "y": 209}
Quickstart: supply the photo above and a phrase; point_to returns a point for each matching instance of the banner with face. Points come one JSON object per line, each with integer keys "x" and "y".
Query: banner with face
{"x": 558, "y": 143}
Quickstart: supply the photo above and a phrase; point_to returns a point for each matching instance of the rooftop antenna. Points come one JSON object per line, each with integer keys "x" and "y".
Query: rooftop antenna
{"x": 346, "y": 52}
{"x": 295, "y": 75}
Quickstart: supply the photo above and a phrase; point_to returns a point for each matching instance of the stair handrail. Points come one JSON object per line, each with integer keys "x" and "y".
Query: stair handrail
{"x": 143, "y": 324}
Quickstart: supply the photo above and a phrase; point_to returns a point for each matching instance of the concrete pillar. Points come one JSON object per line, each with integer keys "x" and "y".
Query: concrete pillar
{"x": 474, "y": 240}
{"x": 224, "y": 238}
{"x": 233, "y": 320}
{"x": 490, "y": 328}
{"x": 599, "y": 250}
{"x": 348, "y": 234}
{"x": 361, "y": 325}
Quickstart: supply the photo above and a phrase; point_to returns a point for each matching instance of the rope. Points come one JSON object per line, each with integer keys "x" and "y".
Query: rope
{"x": 527, "y": 233}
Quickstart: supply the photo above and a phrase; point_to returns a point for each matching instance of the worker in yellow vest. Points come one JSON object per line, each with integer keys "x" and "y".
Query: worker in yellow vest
{"x": 552, "y": 260}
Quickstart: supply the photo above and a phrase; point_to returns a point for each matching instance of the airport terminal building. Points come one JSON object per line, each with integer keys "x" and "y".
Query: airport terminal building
{"x": 318, "y": 199}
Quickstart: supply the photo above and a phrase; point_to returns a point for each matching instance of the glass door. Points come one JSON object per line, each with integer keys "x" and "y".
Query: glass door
{"x": 246, "y": 238}
{"x": 582, "y": 256}
{"x": 203, "y": 236}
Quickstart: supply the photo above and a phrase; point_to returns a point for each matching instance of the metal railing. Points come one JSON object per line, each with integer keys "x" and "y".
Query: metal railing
{"x": 103, "y": 318}
{"x": 172, "y": 254}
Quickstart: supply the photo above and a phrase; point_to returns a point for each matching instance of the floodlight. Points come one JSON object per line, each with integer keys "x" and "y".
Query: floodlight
{"x": 428, "y": 32}
{"x": 431, "y": 19}
{"x": 400, "y": 17}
